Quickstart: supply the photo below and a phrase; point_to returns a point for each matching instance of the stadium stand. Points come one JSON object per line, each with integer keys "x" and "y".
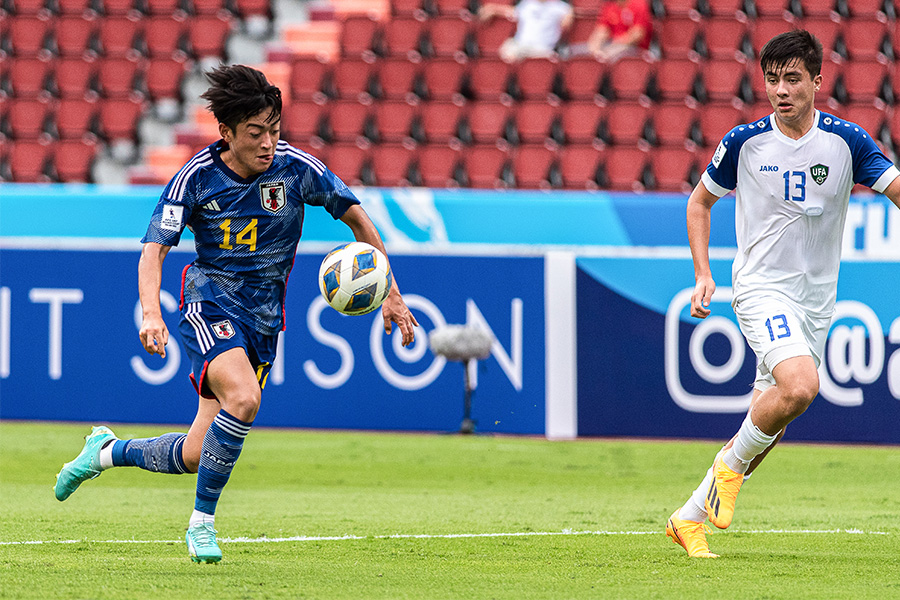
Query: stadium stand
{"x": 368, "y": 83}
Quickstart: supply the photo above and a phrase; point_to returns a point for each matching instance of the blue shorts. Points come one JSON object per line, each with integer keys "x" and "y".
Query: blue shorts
{"x": 207, "y": 331}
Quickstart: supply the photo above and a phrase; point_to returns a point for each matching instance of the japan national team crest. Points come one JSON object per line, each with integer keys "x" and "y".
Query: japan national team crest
{"x": 273, "y": 196}
{"x": 224, "y": 330}
{"x": 819, "y": 173}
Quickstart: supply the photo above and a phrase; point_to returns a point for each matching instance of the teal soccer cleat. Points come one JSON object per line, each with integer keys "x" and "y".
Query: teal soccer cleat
{"x": 201, "y": 543}
{"x": 85, "y": 466}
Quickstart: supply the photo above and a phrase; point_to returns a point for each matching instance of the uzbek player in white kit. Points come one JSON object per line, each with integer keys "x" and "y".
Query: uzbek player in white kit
{"x": 792, "y": 171}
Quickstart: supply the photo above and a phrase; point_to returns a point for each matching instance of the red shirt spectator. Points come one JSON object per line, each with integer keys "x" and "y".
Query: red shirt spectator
{"x": 623, "y": 26}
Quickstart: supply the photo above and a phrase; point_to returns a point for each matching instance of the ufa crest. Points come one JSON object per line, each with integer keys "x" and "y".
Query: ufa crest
{"x": 273, "y": 196}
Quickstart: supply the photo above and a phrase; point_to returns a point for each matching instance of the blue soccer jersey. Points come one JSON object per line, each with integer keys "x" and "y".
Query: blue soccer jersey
{"x": 246, "y": 230}
{"x": 791, "y": 203}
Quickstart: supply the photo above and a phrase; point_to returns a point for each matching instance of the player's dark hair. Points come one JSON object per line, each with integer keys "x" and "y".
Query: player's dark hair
{"x": 787, "y": 47}
{"x": 239, "y": 92}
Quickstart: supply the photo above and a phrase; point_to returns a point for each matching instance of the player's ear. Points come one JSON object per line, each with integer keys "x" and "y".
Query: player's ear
{"x": 226, "y": 132}
{"x": 817, "y": 81}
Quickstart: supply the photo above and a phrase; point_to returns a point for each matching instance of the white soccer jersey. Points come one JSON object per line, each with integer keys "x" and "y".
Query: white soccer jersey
{"x": 791, "y": 203}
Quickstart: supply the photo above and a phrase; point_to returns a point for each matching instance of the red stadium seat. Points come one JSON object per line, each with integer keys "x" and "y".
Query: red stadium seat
{"x": 730, "y": 9}
{"x": 210, "y": 7}
{"x": 208, "y": 35}
{"x": 347, "y": 162}
{"x": 396, "y": 77}
{"x": 307, "y": 78}
{"x": 581, "y": 77}
{"x": 683, "y": 8}
{"x": 624, "y": 167}
{"x": 166, "y": 37}
{"x": 774, "y": 9}
{"x": 580, "y": 121}
{"x": 490, "y": 36}
{"x": 352, "y": 78}
{"x": 448, "y": 36}
{"x": 724, "y": 38}
{"x": 118, "y": 77}
{"x": 825, "y": 29}
{"x": 21, "y": 8}
{"x": 675, "y": 79}
{"x": 895, "y": 127}
{"x": 347, "y": 120}
{"x": 437, "y": 164}
{"x": 535, "y": 78}
{"x": 534, "y": 121}
{"x": 580, "y": 31}
{"x": 869, "y": 9}
{"x": 870, "y": 118}
{"x": 864, "y": 38}
{"x": 442, "y": 79}
{"x": 76, "y": 8}
{"x": 77, "y": 118}
{"x": 164, "y": 77}
{"x": 629, "y": 78}
{"x": 30, "y": 120}
{"x": 676, "y": 37}
{"x": 818, "y": 8}
{"x": 531, "y": 166}
{"x": 864, "y": 80}
{"x": 587, "y": 8}
{"x": 406, "y": 8}
{"x": 402, "y": 38}
{"x": 30, "y": 162}
{"x": 249, "y": 8}
{"x": 76, "y": 78}
{"x": 121, "y": 8}
{"x": 301, "y": 121}
{"x": 453, "y": 8}
{"x": 30, "y": 78}
{"x": 672, "y": 168}
{"x": 486, "y": 167}
{"x": 120, "y": 37}
{"x": 164, "y": 7}
{"x": 487, "y": 122}
{"x": 579, "y": 166}
{"x": 625, "y": 122}
{"x": 440, "y": 121}
{"x": 391, "y": 164}
{"x": 119, "y": 118}
{"x": 75, "y": 36}
{"x": 393, "y": 120}
{"x": 716, "y": 120}
{"x": 358, "y": 35}
{"x": 722, "y": 79}
{"x": 488, "y": 79}
{"x": 73, "y": 160}
{"x": 672, "y": 124}
{"x": 765, "y": 29}
{"x": 30, "y": 36}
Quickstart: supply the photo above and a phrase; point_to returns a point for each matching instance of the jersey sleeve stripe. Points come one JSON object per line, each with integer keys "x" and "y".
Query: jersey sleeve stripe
{"x": 202, "y": 159}
{"x": 317, "y": 165}
{"x": 886, "y": 179}
{"x": 714, "y": 188}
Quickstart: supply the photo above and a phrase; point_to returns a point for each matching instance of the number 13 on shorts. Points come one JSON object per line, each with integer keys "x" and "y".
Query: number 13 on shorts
{"x": 778, "y": 327}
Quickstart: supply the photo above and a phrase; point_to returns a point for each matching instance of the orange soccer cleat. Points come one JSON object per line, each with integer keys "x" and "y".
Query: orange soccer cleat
{"x": 690, "y": 535}
{"x": 722, "y": 494}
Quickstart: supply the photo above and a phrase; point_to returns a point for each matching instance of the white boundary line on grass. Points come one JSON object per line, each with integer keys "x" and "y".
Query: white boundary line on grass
{"x": 428, "y": 536}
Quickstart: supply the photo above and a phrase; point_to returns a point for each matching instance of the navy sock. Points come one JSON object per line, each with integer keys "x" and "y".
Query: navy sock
{"x": 221, "y": 448}
{"x": 160, "y": 454}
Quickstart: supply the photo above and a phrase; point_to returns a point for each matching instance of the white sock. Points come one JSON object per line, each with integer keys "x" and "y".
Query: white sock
{"x": 198, "y": 517}
{"x": 106, "y": 461}
{"x": 695, "y": 508}
{"x": 750, "y": 443}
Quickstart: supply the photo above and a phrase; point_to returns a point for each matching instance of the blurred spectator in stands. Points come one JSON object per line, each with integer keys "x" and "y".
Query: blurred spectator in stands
{"x": 623, "y": 29}
{"x": 539, "y": 26}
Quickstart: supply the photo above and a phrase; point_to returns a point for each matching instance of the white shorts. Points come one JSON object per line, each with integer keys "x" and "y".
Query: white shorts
{"x": 778, "y": 329}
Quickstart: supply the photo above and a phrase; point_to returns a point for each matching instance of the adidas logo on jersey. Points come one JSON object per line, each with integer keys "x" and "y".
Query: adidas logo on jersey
{"x": 214, "y": 206}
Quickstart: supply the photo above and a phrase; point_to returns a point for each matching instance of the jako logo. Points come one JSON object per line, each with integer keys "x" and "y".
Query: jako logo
{"x": 770, "y": 168}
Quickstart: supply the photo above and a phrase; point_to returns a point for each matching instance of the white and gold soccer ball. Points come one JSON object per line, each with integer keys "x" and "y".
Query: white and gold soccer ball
{"x": 355, "y": 278}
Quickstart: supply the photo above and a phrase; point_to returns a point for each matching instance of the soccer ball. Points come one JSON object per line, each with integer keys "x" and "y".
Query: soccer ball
{"x": 355, "y": 278}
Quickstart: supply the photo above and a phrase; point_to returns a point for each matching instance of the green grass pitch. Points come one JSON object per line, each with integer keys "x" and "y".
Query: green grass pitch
{"x": 580, "y": 519}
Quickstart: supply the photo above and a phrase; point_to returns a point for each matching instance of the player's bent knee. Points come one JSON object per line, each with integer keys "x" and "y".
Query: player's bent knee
{"x": 243, "y": 406}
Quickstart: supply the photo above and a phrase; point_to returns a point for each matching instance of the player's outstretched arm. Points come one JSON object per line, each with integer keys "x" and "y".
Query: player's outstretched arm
{"x": 154, "y": 334}
{"x": 699, "y": 205}
{"x": 893, "y": 191}
{"x": 394, "y": 309}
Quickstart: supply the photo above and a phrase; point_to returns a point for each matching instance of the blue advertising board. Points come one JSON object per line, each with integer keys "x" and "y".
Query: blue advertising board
{"x": 70, "y": 351}
{"x": 666, "y": 374}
